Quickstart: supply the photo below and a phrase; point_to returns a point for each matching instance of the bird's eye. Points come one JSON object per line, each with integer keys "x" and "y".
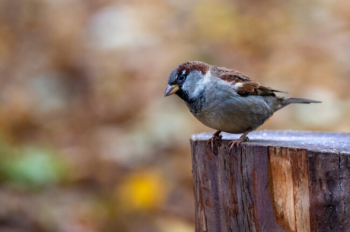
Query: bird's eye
{"x": 181, "y": 77}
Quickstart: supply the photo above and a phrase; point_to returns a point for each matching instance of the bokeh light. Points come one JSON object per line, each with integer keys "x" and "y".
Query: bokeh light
{"x": 87, "y": 140}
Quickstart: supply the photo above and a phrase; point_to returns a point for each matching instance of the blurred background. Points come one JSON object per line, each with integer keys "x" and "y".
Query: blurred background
{"x": 87, "y": 140}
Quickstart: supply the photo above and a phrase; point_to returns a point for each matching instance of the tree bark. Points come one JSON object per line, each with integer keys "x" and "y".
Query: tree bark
{"x": 277, "y": 181}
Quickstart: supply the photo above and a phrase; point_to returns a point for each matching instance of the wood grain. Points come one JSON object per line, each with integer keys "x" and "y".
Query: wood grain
{"x": 273, "y": 184}
{"x": 281, "y": 189}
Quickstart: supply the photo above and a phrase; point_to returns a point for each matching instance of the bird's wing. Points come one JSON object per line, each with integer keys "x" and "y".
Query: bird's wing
{"x": 243, "y": 85}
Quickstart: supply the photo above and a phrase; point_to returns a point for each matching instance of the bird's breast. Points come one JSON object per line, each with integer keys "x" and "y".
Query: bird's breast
{"x": 233, "y": 114}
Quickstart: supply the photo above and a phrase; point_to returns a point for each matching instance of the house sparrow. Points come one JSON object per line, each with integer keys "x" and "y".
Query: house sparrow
{"x": 225, "y": 99}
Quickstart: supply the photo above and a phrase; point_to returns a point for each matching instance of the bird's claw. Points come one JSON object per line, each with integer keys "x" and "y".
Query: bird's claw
{"x": 216, "y": 136}
{"x": 236, "y": 142}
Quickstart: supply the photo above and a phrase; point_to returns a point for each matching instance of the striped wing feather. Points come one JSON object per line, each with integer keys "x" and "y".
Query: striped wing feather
{"x": 243, "y": 84}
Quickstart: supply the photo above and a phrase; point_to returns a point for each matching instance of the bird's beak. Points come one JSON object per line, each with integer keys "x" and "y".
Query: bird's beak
{"x": 171, "y": 89}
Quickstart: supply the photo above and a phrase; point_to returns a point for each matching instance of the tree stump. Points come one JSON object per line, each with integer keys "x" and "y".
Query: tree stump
{"x": 277, "y": 181}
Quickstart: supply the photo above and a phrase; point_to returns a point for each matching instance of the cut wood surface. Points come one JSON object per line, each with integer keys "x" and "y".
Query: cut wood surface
{"x": 277, "y": 181}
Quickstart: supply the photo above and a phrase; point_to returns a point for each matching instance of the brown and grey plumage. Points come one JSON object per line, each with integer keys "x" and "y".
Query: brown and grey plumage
{"x": 225, "y": 99}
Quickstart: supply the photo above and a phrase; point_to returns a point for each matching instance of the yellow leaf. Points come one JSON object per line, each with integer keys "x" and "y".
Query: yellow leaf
{"x": 141, "y": 191}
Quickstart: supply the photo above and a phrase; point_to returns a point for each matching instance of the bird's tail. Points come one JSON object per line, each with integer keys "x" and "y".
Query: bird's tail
{"x": 287, "y": 101}
{"x": 283, "y": 101}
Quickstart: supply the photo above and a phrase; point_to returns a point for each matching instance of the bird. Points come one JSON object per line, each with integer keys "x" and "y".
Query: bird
{"x": 225, "y": 99}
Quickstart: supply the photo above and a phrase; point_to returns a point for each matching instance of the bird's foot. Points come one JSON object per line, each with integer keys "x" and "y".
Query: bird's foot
{"x": 237, "y": 142}
{"x": 216, "y": 136}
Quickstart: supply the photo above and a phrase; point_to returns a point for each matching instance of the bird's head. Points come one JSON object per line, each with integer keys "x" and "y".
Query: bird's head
{"x": 186, "y": 79}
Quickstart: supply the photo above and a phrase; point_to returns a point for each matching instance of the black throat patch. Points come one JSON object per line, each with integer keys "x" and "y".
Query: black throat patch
{"x": 194, "y": 104}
